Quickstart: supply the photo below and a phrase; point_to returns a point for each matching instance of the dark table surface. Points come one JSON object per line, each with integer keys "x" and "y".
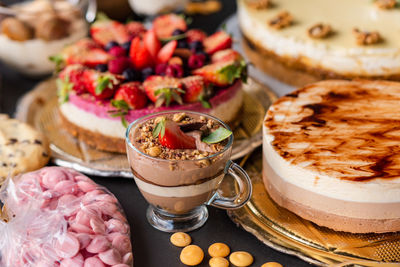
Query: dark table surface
{"x": 152, "y": 248}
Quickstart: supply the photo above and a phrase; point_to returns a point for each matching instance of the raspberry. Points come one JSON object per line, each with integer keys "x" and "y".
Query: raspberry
{"x": 161, "y": 68}
{"x": 174, "y": 70}
{"x": 117, "y": 51}
{"x": 196, "y": 61}
{"x": 118, "y": 65}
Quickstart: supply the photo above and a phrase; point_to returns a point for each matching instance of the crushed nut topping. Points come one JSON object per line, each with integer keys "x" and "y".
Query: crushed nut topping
{"x": 366, "y": 38}
{"x": 282, "y": 20}
{"x": 385, "y": 4}
{"x": 319, "y": 30}
{"x": 259, "y": 4}
{"x": 151, "y": 145}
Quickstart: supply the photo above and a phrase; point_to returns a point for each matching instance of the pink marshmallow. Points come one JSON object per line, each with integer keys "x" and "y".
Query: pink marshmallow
{"x": 110, "y": 257}
{"x": 82, "y": 217}
{"x": 67, "y": 246}
{"x": 128, "y": 258}
{"x": 121, "y": 265}
{"x": 114, "y": 225}
{"x": 76, "y": 261}
{"x": 122, "y": 243}
{"x": 93, "y": 262}
{"x": 97, "y": 226}
{"x": 66, "y": 187}
{"x": 80, "y": 228}
{"x": 87, "y": 186}
{"x": 52, "y": 176}
{"x": 84, "y": 240}
{"x": 98, "y": 244}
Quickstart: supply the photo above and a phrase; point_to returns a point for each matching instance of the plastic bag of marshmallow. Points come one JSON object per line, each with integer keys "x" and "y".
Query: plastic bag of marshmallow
{"x": 59, "y": 217}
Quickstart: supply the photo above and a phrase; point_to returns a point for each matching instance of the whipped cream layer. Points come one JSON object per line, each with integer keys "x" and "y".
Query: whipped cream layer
{"x": 338, "y": 139}
{"x": 338, "y": 53}
{"x": 93, "y": 115}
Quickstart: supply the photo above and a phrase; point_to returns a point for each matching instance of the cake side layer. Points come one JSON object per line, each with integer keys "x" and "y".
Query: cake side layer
{"x": 332, "y": 221}
{"x": 332, "y": 55}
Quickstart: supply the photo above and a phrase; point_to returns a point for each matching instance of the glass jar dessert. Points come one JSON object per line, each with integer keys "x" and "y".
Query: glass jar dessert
{"x": 179, "y": 159}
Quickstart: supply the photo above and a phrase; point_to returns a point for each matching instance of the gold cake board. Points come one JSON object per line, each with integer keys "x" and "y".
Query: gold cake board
{"x": 288, "y": 233}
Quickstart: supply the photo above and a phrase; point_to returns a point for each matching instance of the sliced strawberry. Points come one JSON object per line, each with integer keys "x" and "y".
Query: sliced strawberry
{"x": 135, "y": 28}
{"x": 167, "y": 51}
{"x": 223, "y": 73}
{"x": 217, "y": 41}
{"x": 170, "y": 135}
{"x": 140, "y": 56}
{"x": 196, "y": 90}
{"x": 99, "y": 84}
{"x": 226, "y": 55}
{"x": 163, "y": 90}
{"x": 133, "y": 94}
{"x": 195, "y": 35}
{"x": 152, "y": 43}
{"x": 85, "y": 52}
{"x": 105, "y": 31}
{"x": 165, "y": 25}
{"x": 73, "y": 74}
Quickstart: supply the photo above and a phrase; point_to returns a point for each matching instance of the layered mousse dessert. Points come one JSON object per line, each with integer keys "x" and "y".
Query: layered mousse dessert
{"x": 126, "y": 71}
{"x": 178, "y": 159}
{"x": 300, "y": 42}
{"x": 331, "y": 154}
{"x": 39, "y": 30}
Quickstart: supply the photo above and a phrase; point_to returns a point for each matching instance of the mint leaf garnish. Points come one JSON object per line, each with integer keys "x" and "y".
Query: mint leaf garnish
{"x": 160, "y": 128}
{"x": 58, "y": 60}
{"x": 103, "y": 82}
{"x": 122, "y": 109}
{"x": 236, "y": 70}
{"x": 64, "y": 87}
{"x": 204, "y": 102}
{"x": 217, "y": 136}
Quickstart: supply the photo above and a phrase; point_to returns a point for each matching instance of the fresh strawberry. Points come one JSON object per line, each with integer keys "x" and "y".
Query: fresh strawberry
{"x": 163, "y": 90}
{"x": 135, "y": 28}
{"x": 74, "y": 75}
{"x": 133, "y": 94}
{"x": 167, "y": 51}
{"x": 105, "y": 31}
{"x": 152, "y": 44}
{"x": 226, "y": 55}
{"x": 196, "y": 90}
{"x": 99, "y": 84}
{"x": 217, "y": 41}
{"x": 171, "y": 136}
{"x": 140, "y": 56}
{"x": 165, "y": 25}
{"x": 85, "y": 52}
{"x": 195, "y": 35}
{"x": 223, "y": 73}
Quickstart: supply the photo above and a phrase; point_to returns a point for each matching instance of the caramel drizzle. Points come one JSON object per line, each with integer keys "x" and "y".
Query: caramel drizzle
{"x": 348, "y": 130}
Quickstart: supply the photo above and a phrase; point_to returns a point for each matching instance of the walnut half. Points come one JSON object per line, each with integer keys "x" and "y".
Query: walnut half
{"x": 282, "y": 20}
{"x": 366, "y": 38}
{"x": 385, "y": 4}
{"x": 319, "y": 30}
{"x": 259, "y": 4}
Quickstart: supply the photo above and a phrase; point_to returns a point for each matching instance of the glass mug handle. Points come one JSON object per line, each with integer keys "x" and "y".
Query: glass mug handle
{"x": 245, "y": 189}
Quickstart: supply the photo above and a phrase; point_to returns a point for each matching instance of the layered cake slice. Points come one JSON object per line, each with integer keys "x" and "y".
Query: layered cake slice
{"x": 125, "y": 71}
{"x": 331, "y": 154}
{"x": 305, "y": 41}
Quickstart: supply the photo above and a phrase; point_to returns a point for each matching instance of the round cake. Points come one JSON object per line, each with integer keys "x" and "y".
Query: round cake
{"x": 300, "y": 42}
{"x": 331, "y": 154}
{"x": 126, "y": 71}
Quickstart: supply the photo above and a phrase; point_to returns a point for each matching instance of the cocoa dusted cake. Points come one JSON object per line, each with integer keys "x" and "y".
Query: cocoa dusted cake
{"x": 126, "y": 71}
{"x": 300, "y": 42}
{"x": 331, "y": 154}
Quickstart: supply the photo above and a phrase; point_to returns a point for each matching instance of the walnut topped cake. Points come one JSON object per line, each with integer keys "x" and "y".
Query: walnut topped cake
{"x": 332, "y": 154}
{"x": 305, "y": 41}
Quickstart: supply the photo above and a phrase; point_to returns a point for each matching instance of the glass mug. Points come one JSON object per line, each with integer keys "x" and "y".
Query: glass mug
{"x": 179, "y": 190}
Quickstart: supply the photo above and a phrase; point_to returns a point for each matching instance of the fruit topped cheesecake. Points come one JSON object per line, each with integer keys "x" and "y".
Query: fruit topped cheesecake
{"x": 125, "y": 71}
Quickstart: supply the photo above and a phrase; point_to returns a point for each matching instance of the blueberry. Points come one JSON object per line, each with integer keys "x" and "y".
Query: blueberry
{"x": 177, "y": 32}
{"x": 196, "y": 46}
{"x": 182, "y": 44}
{"x": 146, "y": 72}
{"x": 101, "y": 67}
{"x": 131, "y": 75}
{"x": 126, "y": 45}
{"x": 110, "y": 45}
{"x": 207, "y": 57}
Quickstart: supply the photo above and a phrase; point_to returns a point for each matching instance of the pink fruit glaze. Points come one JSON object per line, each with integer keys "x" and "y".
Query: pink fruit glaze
{"x": 101, "y": 108}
